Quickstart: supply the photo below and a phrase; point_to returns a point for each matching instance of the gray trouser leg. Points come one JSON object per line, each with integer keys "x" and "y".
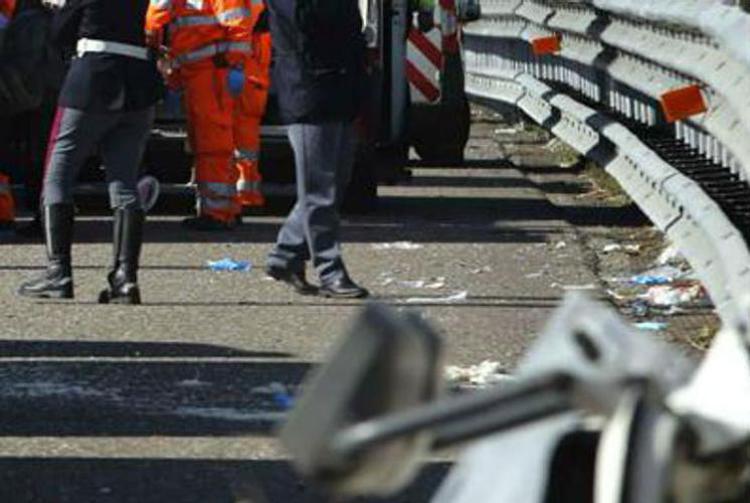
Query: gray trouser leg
{"x": 121, "y": 137}
{"x": 323, "y": 158}
{"x": 122, "y": 150}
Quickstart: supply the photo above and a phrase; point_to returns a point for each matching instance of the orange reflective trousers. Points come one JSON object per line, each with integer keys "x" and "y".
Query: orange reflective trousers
{"x": 249, "y": 113}
{"x": 210, "y": 112}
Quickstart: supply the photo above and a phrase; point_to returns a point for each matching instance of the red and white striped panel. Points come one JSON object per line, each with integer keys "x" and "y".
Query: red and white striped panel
{"x": 424, "y": 64}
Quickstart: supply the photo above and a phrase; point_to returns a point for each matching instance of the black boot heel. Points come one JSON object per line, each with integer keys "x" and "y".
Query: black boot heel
{"x": 127, "y": 241}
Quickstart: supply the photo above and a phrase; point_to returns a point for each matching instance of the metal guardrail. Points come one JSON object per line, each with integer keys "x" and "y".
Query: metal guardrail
{"x": 600, "y": 92}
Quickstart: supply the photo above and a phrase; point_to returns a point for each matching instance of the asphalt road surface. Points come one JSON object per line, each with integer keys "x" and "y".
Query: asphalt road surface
{"x": 170, "y": 401}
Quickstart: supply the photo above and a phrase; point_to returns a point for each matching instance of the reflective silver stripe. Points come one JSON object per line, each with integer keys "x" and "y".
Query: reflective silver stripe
{"x": 224, "y": 17}
{"x": 212, "y": 50}
{"x": 245, "y": 186}
{"x": 86, "y": 45}
{"x": 233, "y": 15}
{"x": 194, "y": 21}
{"x": 216, "y": 204}
{"x": 162, "y": 4}
{"x": 242, "y": 154}
{"x": 216, "y": 190}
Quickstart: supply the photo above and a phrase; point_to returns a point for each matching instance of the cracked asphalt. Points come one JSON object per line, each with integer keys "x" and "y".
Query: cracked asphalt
{"x": 169, "y": 401}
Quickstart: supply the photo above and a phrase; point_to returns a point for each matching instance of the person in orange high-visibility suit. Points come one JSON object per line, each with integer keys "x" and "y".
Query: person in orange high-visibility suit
{"x": 7, "y": 204}
{"x": 252, "y": 107}
{"x": 209, "y": 49}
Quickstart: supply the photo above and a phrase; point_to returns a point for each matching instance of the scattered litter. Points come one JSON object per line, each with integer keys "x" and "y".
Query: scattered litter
{"x": 671, "y": 255}
{"x": 506, "y": 131}
{"x": 486, "y": 374}
{"x": 431, "y": 284}
{"x": 284, "y": 400}
{"x": 435, "y": 284}
{"x": 228, "y": 264}
{"x": 481, "y": 270}
{"x": 629, "y": 249}
{"x": 193, "y": 383}
{"x": 611, "y": 248}
{"x": 659, "y": 276}
{"x": 399, "y": 245}
{"x": 667, "y": 296}
{"x": 590, "y": 286}
{"x": 649, "y": 279}
{"x": 535, "y": 275}
{"x": 652, "y": 326}
{"x": 560, "y": 245}
{"x": 457, "y": 297}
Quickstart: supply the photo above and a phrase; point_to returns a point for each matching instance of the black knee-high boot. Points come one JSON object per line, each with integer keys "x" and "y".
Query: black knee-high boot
{"x": 57, "y": 281}
{"x": 127, "y": 241}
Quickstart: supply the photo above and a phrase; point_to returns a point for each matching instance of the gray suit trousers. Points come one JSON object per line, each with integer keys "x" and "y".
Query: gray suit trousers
{"x": 324, "y": 156}
{"x": 121, "y": 139}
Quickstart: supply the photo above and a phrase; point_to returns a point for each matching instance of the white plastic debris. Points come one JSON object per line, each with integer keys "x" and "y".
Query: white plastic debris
{"x": 561, "y": 245}
{"x": 488, "y": 373}
{"x": 568, "y": 288}
{"x": 430, "y": 284}
{"x": 481, "y": 270}
{"x": 611, "y": 248}
{"x": 667, "y": 296}
{"x": 671, "y": 255}
{"x": 450, "y": 299}
{"x": 398, "y": 245}
{"x": 633, "y": 249}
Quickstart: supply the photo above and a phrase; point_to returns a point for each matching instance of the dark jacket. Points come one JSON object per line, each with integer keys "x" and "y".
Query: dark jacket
{"x": 99, "y": 82}
{"x": 30, "y": 68}
{"x": 319, "y": 59}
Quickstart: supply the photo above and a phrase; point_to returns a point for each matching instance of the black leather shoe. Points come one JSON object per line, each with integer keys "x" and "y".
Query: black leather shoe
{"x": 295, "y": 279}
{"x": 343, "y": 288}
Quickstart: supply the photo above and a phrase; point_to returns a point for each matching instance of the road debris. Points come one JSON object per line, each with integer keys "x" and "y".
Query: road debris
{"x": 561, "y": 245}
{"x": 668, "y": 296}
{"x": 632, "y": 249}
{"x": 481, "y": 270}
{"x": 429, "y": 284}
{"x": 229, "y": 265}
{"x": 450, "y": 299}
{"x": 486, "y": 374}
{"x": 652, "y": 326}
{"x": 398, "y": 245}
{"x": 665, "y": 289}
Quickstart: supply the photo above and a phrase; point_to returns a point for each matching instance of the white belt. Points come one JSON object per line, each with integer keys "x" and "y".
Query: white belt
{"x": 104, "y": 46}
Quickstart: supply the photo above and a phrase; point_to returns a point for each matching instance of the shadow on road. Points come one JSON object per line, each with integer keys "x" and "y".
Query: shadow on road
{"x": 173, "y": 481}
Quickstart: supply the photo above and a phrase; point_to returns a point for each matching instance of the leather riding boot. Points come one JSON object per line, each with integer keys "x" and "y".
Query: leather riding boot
{"x": 127, "y": 240}
{"x": 57, "y": 281}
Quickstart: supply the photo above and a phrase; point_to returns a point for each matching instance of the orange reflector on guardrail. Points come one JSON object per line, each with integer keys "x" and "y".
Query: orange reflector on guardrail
{"x": 684, "y": 102}
{"x": 546, "y": 45}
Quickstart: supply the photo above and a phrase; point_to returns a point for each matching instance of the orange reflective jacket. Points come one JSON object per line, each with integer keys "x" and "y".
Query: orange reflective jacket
{"x": 201, "y": 29}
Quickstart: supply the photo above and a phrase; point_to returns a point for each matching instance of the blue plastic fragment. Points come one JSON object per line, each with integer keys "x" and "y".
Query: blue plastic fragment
{"x": 652, "y": 326}
{"x": 228, "y": 264}
{"x": 284, "y": 400}
{"x": 650, "y": 280}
